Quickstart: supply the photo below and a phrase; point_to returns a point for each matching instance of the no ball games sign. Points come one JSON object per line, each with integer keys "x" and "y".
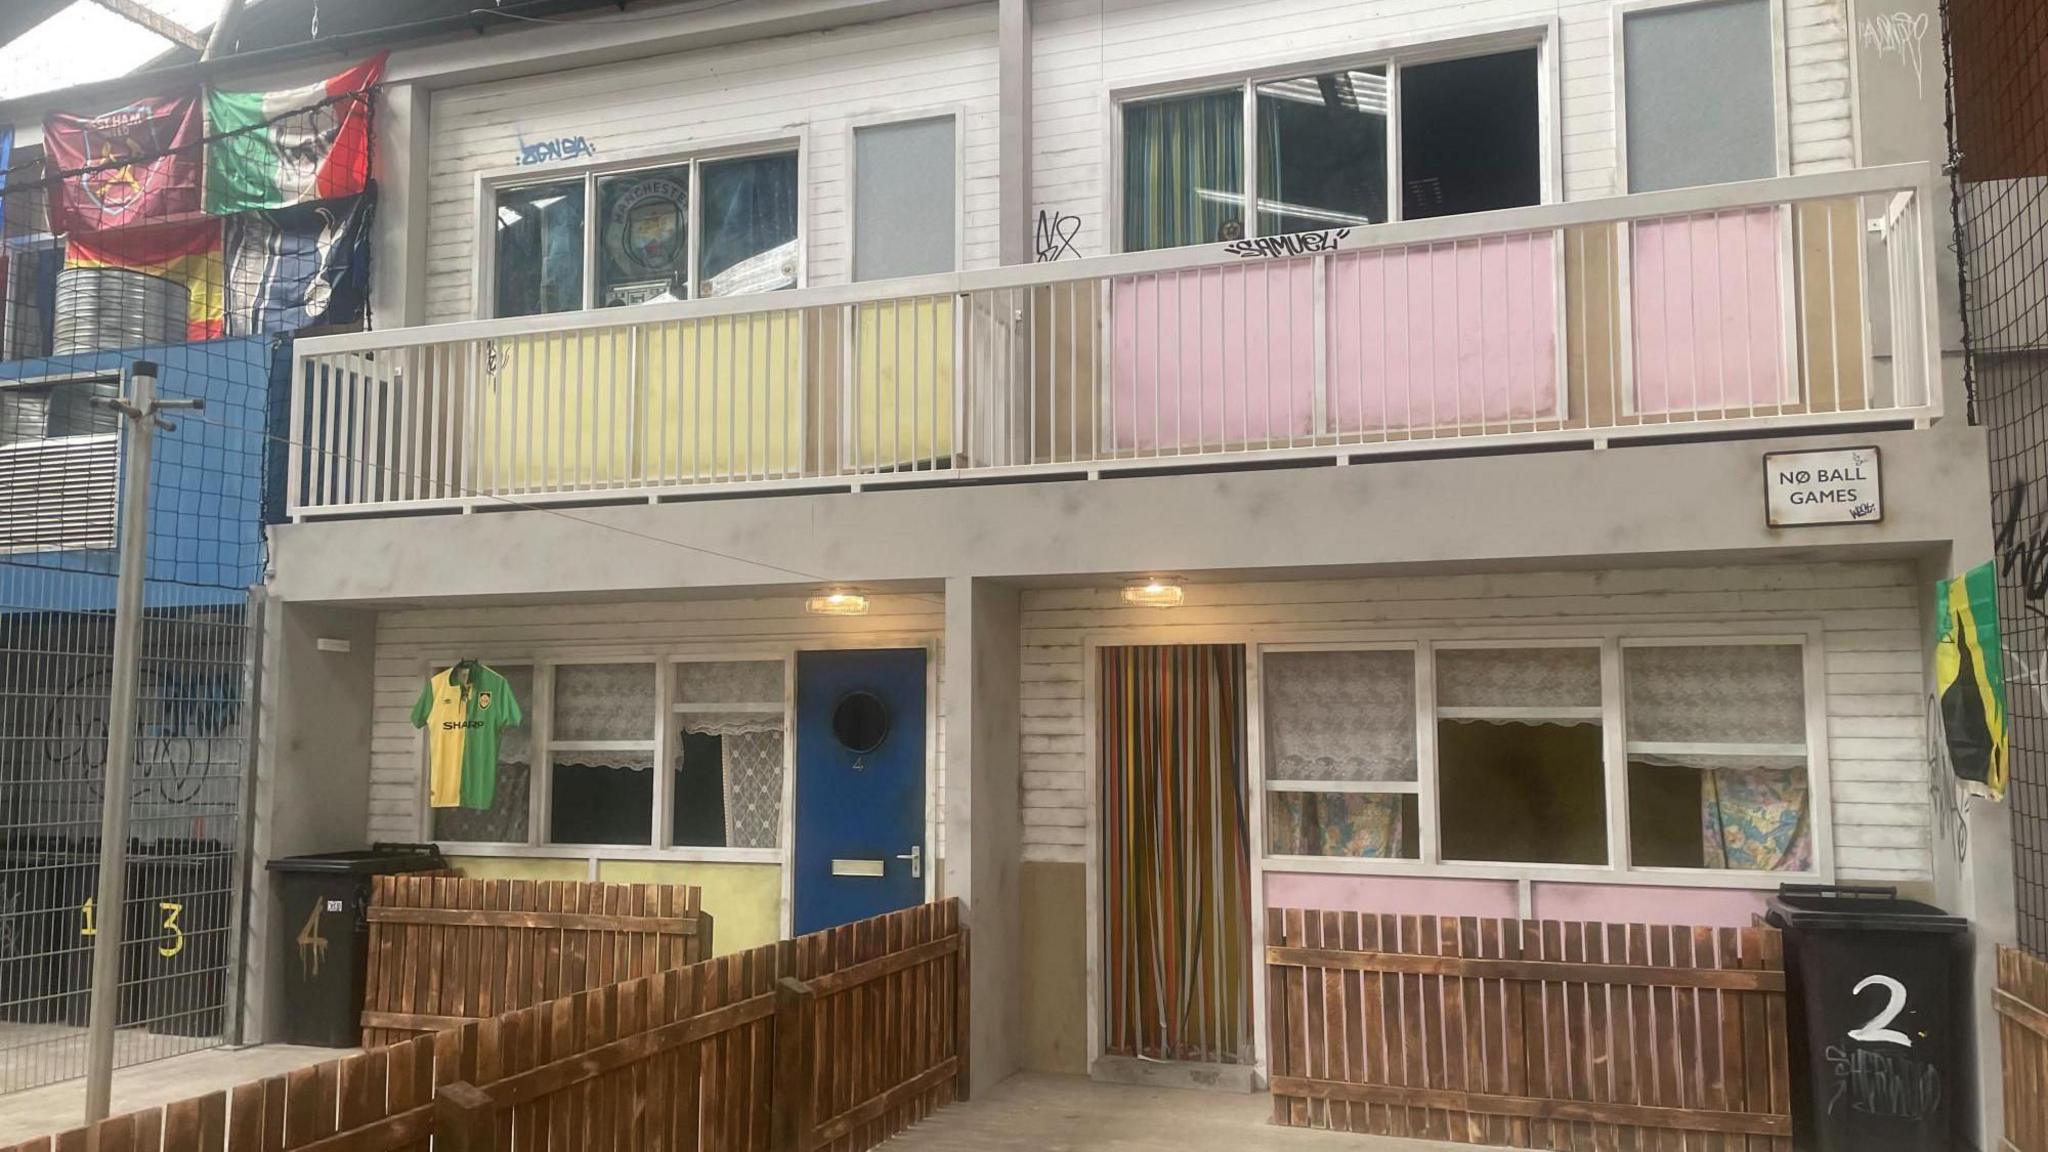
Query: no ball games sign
{"x": 1835, "y": 486}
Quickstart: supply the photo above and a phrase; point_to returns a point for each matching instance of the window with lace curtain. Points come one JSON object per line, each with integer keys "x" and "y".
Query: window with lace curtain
{"x": 1341, "y": 775}
{"x": 1520, "y": 762}
{"x": 601, "y": 754}
{"x": 1632, "y": 753}
{"x": 1717, "y": 757}
{"x": 727, "y": 770}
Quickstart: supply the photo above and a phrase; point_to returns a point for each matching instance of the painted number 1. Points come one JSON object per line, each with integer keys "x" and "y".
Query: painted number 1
{"x": 171, "y": 913}
{"x": 1879, "y": 1029}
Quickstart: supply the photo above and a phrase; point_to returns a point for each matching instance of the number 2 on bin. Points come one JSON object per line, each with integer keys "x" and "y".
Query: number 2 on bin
{"x": 1879, "y": 1029}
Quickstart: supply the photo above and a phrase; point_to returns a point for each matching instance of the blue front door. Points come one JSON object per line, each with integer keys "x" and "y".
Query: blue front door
{"x": 860, "y": 798}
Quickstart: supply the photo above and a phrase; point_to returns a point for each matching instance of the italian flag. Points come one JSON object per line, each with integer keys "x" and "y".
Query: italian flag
{"x": 277, "y": 149}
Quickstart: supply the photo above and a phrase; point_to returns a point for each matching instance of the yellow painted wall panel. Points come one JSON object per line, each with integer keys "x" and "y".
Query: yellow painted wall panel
{"x": 520, "y": 868}
{"x": 745, "y": 900}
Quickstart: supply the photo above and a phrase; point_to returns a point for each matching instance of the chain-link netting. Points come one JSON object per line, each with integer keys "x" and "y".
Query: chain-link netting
{"x": 198, "y": 231}
{"x": 1998, "y": 130}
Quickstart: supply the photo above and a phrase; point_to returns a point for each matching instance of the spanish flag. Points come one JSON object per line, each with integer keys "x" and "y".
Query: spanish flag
{"x": 188, "y": 253}
{"x": 1969, "y": 677}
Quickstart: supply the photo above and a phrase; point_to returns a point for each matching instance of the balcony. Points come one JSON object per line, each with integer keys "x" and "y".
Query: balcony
{"x": 1794, "y": 304}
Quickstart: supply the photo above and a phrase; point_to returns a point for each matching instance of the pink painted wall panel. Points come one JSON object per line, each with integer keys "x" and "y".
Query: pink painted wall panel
{"x": 1214, "y": 358}
{"x": 1630, "y": 904}
{"x": 1708, "y": 312}
{"x": 1447, "y": 336}
{"x": 1395, "y": 895}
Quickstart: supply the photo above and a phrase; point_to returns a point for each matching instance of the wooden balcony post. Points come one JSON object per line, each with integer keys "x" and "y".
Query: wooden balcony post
{"x": 795, "y": 1060}
{"x": 962, "y": 1033}
{"x": 462, "y": 1119}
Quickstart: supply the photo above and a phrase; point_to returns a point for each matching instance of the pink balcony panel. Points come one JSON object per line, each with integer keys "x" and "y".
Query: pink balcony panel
{"x": 1708, "y": 311}
{"x": 1446, "y": 336}
{"x": 1214, "y": 358}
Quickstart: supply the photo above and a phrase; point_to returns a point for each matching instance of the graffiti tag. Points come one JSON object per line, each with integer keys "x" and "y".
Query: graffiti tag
{"x": 1881, "y": 1083}
{"x": 560, "y": 148}
{"x": 1292, "y": 244}
{"x": 1056, "y": 234}
{"x": 1901, "y": 34}
{"x": 2024, "y": 555}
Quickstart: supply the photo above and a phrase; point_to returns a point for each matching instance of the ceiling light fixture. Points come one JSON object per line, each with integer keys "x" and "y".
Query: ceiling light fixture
{"x": 837, "y": 604}
{"x": 1155, "y": 593}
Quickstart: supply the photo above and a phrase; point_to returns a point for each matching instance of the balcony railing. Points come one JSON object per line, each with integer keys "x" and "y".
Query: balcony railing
{"x": 1784, "y": 304}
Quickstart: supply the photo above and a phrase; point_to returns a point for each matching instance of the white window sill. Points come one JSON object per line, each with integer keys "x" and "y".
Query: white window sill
{"x": 1543, "y": 873}
{"x": 615, "y": 852}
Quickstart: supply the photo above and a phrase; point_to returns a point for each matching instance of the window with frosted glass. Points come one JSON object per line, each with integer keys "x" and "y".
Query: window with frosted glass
{"x": 904, "y": 192}
{"x": 1521, "y": 772}
{"x": 1340, "y": 753}
{"x": 1322, "y": 151}
{"x": 1717, "y": 757}
{"x": 1183, "y": 170}
{"x": 538, "y": 262}
{"x": 749, "y": 227}
{"x": 1701, "y": 103}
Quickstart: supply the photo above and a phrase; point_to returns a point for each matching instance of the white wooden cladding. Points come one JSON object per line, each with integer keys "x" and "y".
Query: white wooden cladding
{"x": 1868, "y": 616}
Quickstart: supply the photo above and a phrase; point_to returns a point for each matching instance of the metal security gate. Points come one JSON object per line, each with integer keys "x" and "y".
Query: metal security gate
{"x": 180, "y": 953}
{"x": 1999, "y": 144}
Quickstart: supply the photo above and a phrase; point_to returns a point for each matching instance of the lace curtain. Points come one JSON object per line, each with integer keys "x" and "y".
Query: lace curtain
{"x": 1753, "y": 804}
{"x": 1339, "y": 715}
{"x": 1518, "y": 678}
{"x": 604, "y": 702}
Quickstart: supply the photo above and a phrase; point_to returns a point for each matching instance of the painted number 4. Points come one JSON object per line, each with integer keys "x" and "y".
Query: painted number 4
{"x": 1879, "y": 1029}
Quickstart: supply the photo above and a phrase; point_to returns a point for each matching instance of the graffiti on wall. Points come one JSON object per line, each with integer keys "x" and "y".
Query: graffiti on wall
{"x": 1055, "y": 236}
{"x": 1900, "y": 35}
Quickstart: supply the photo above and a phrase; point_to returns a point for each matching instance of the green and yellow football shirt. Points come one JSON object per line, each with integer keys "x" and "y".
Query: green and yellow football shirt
{"x": 463, "y": 709}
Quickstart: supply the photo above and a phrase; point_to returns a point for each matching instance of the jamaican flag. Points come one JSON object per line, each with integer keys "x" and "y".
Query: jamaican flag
{"x": 1969, "y": 675}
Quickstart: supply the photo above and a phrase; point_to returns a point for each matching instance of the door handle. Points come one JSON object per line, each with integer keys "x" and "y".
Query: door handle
{"x": 916, "y": 858}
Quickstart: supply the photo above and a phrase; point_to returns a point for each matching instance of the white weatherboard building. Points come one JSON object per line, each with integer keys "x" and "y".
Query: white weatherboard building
{"x": 1389, "y": 383}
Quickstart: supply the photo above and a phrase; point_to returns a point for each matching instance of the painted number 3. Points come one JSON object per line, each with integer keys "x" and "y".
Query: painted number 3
{"x": 171, "y": 913}
{"x": 1879, "y": 1029}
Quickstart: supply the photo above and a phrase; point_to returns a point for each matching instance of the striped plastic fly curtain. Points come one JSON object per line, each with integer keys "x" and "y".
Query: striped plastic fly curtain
{"x": 1176, "y": 897}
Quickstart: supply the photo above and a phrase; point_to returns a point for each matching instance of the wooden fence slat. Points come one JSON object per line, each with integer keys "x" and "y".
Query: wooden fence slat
{"x": 668, "y": 1059}
{"x": 1575, "y": 1037}
{"x": 449, "y": 949}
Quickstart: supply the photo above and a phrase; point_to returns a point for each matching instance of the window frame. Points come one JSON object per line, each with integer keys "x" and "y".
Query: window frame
{"x": 1610, "y": 640}
{"x": 1393, "y": 54}
{"x": 957, "y": 113}
{"x": 484, "y": 283}
{"x": 539, "y": 711}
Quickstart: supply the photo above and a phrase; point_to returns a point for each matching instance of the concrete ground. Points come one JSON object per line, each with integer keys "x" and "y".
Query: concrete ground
{"x": 1035, "y": 1113}
{"x": 59, "y": 1107}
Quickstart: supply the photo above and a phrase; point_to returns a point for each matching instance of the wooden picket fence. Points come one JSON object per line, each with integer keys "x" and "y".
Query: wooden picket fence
{"x": 444, "y": 950}
{"x": 1529, "y": 1034}
{"x": 830, "y": 1043}
{"x": 2022, "y": 1003}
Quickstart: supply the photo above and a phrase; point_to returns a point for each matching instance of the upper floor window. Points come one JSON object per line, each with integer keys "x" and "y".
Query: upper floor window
{"x": 691, "y": 229}
{"x": 1324, "y": 154}
{"x": 1699, "y": 94}
{"x": 905, "y": 188}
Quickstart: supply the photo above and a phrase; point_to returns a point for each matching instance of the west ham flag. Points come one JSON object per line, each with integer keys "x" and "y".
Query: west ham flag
{"x": 136, "y": 164}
